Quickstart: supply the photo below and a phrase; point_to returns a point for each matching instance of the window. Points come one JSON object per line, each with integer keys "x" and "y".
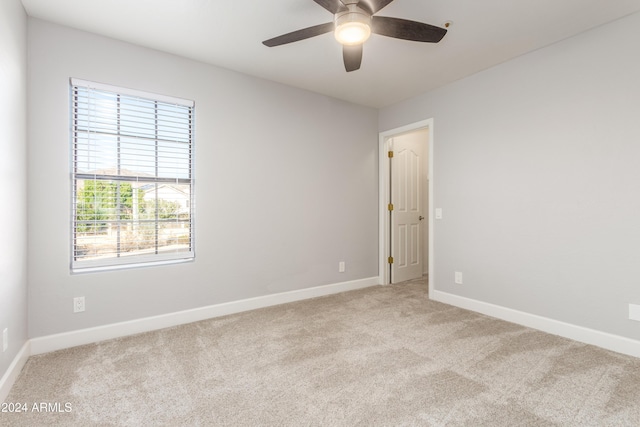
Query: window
{"x": 132, "y": 178}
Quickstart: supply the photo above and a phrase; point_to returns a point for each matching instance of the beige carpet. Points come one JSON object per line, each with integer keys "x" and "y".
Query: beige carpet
{"x": 380, "y": 356}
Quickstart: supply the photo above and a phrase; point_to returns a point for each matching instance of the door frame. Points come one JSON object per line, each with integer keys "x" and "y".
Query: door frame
{"x": 384, "y": 192}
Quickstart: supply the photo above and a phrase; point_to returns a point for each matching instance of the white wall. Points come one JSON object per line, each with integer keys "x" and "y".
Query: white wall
{"x": 286, "y": 184}
{"x": 537, "y": 171}
{"x": 13, "y": 162}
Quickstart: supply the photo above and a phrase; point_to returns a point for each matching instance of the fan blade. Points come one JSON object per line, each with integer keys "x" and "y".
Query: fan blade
{"x": 295, "y": 36}
{"x": 333, "y": 6}
{"x": 352, "y": 56}
{"x": 406, "y": 30}
{"x": 374, "y": 6}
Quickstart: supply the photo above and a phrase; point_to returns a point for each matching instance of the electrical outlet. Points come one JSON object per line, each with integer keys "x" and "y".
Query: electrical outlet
{"x": 5, "y": 339}
{"x": 458, "y": 278}
{"x": 634, "y": 311}
{"x": 438, "y": 213}
{"x": 341, "y": 267}
{"x": 78, "y": 304}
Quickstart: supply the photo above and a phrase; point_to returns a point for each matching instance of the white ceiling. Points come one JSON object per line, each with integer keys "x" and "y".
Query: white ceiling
{"x": 229, "y": 34}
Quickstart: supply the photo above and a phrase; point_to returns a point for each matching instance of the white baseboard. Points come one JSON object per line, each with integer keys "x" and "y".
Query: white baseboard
{"x": 578, "y": 333}
{"x": 9, "y": 378}
{"x": 116, "y": 330}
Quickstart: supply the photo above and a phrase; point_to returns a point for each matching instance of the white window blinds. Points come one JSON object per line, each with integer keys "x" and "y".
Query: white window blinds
{"x": 132, "y": 177}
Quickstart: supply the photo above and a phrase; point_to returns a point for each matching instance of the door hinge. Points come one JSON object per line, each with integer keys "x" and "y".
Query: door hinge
{"x": 390, "y": 154}
{"x": 390, "y": 260}
{"x": 390, "y": 206}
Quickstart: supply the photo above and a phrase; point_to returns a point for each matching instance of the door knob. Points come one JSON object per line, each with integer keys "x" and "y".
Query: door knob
{"x": 420, "y": 218}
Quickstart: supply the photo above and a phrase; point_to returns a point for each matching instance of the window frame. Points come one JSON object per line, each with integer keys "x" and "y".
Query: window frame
{"x": 117, "y": 261}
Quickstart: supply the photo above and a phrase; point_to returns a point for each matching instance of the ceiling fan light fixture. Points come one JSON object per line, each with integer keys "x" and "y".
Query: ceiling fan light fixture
{"x": 352, "y": 27}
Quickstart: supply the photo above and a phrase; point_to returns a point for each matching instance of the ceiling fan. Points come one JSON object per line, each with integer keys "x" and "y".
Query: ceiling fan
{"x": 354, "y": 22}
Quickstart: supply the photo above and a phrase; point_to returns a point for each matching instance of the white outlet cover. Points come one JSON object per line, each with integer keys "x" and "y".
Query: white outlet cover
{"x": 458, "y": 278}
{"x": 438, "y": 213}
{"x": 78, "y": 304}
{"x": 634, "y": 312}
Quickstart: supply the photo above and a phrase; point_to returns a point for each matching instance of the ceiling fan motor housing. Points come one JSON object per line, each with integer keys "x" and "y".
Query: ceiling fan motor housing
{"x": 354, "y": 19}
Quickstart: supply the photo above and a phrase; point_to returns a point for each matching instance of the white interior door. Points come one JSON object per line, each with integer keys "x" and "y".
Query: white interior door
{"x": 407, "y": 214}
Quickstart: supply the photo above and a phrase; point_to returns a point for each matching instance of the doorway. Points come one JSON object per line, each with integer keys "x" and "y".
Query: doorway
{"x": 406, "y": 200}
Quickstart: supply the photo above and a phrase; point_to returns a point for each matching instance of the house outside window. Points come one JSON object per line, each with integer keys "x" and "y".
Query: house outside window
{"x": 132, "y": 178}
